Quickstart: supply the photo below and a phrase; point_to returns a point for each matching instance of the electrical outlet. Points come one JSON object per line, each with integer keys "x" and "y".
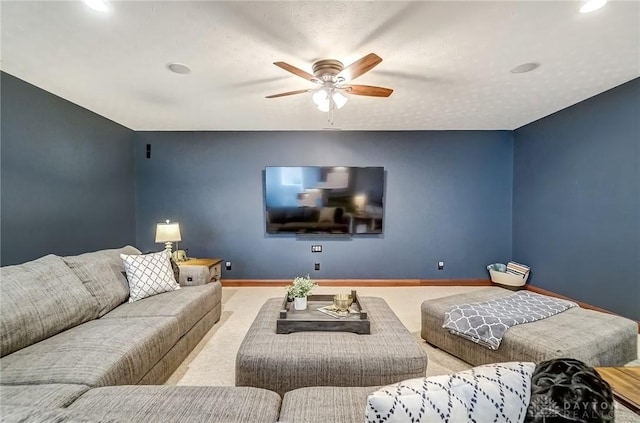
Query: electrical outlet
{"x": 441, "y": 265}
{"x": 317, "y": 266}
{"x": 316, "y": 248}
{"x": 227, "y": 265}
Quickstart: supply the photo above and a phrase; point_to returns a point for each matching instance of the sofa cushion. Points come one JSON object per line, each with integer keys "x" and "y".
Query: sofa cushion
{"x": 39, "y": 299}
{"x": 102, "y": 273}
{"x": 327, "y": 214}
{"x": 179, "y": 404}
{"x": 491, "y": 393}
{"x": 98, "y": 353}
{"x": 149, "y": 274}
{"x": 43, "y": 396}
{"x": 22, "y": 414}
{"x": 322, "y": 404}
{"x": 187, "y": 305}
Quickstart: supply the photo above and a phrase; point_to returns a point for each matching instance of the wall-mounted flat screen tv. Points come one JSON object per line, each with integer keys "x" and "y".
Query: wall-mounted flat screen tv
{"x": 331, "y": 200}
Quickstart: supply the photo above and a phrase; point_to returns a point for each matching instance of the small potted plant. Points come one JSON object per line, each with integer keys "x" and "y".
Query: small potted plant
{"x": 298, "y": 291}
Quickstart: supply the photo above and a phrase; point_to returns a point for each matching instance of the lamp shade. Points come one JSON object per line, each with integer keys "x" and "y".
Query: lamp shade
{"x": 320, "y": 97}
{"x": 340, "y": 99}
{"x": 360, "y": 201}
{"x": 168, "y": 232}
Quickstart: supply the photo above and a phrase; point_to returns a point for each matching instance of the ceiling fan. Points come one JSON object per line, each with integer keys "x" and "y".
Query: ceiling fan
{"x": 333, "y": 80}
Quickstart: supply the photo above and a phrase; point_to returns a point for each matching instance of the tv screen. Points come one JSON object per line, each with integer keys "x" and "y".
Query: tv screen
{"x": 324, "y": 200}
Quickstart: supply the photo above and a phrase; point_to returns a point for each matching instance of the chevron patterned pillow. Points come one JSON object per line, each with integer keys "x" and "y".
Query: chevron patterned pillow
{"x": 149, "y": 274}
{"x": 491, "y": 393}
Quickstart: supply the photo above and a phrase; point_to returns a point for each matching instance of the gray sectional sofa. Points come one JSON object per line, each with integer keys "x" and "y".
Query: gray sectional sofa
{"x": 73, "y": 349}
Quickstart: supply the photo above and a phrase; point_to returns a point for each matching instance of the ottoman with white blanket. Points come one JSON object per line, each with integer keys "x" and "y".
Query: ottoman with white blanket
{"x": 596, "y": 338}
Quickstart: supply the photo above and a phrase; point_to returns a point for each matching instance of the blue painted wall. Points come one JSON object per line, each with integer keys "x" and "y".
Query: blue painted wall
{"x": 67, "y": 180}
{"x": 576, "y": 203}
{"x": 448, "y": 197}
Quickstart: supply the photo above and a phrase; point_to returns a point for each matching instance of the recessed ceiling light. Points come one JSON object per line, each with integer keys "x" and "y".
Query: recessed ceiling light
{"x": 179, "y": 68}
{"x": 525, "y": 67}
{"x": 592, "y": 5}
{"x": 97, "y": 5}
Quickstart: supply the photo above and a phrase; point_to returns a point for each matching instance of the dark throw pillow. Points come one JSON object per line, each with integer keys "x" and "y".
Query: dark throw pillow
{"x": 567, "y": 390}
{"x": 176, "y": 269}
{"x": 337, "y": 215}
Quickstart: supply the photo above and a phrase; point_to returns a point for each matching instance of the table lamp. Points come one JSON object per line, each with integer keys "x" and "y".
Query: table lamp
{"x": 360, "y": 201}
{"x": 168, "y": 233}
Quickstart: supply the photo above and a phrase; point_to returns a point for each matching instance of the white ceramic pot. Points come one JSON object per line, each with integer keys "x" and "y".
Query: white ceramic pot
{"x": 300, "y": 303}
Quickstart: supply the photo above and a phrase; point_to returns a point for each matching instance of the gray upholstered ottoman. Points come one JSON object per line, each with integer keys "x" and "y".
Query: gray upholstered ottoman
{"x": 282, "y": 363}
{"x": 598, "y": 339}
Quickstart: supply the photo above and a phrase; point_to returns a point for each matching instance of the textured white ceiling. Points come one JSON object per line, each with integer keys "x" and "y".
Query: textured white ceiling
{"x": 448, "y": 62}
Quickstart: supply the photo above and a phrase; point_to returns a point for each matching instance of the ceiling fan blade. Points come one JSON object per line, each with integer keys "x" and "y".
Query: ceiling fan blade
{"x": 368, "y": 90}
{"x": 296, "y": 71}
{"x": 289, "y": 93}
{"x": 359, "y": 67}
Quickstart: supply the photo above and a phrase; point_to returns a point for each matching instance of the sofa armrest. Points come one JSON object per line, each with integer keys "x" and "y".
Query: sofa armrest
{"x": 194, "y": 275}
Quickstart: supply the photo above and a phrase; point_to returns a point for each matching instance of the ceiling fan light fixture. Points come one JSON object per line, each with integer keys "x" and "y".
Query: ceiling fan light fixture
{"x": 324, "y": 97}
{"x": 320, "y": 97}
{"x": 340, "y": 99}
{"x": 592, "y": 5}
{"x": 324, "y": 107}
{"x": 330, "y": 75}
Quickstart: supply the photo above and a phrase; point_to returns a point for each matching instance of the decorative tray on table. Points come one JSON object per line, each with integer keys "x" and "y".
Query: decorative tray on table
{"x": 321, "y": 315}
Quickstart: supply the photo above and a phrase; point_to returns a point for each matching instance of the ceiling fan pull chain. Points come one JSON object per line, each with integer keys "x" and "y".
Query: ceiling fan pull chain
{"x": 332, "y": 107}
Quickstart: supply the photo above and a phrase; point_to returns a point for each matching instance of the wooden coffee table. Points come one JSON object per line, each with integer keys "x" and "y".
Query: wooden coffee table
{"x": 625, "y": 383}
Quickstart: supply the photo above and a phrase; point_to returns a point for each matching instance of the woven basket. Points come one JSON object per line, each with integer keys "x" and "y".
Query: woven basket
{"x": 508, "y": 279}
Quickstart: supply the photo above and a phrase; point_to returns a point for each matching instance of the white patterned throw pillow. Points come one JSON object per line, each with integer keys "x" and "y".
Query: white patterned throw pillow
{"x": 491, "y": 393}
{"x": 149, "y": 274}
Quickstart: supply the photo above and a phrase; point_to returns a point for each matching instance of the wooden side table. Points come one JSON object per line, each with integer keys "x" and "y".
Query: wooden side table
{"x": 625, "y": 384}
{"x": 214, "y": 265}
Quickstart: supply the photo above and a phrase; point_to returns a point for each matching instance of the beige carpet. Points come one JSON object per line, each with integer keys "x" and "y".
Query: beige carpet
{"x": 212, "y": 362}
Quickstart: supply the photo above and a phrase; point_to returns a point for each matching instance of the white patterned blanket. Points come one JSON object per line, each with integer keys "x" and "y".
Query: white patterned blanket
{"x": 485, "y": 323}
